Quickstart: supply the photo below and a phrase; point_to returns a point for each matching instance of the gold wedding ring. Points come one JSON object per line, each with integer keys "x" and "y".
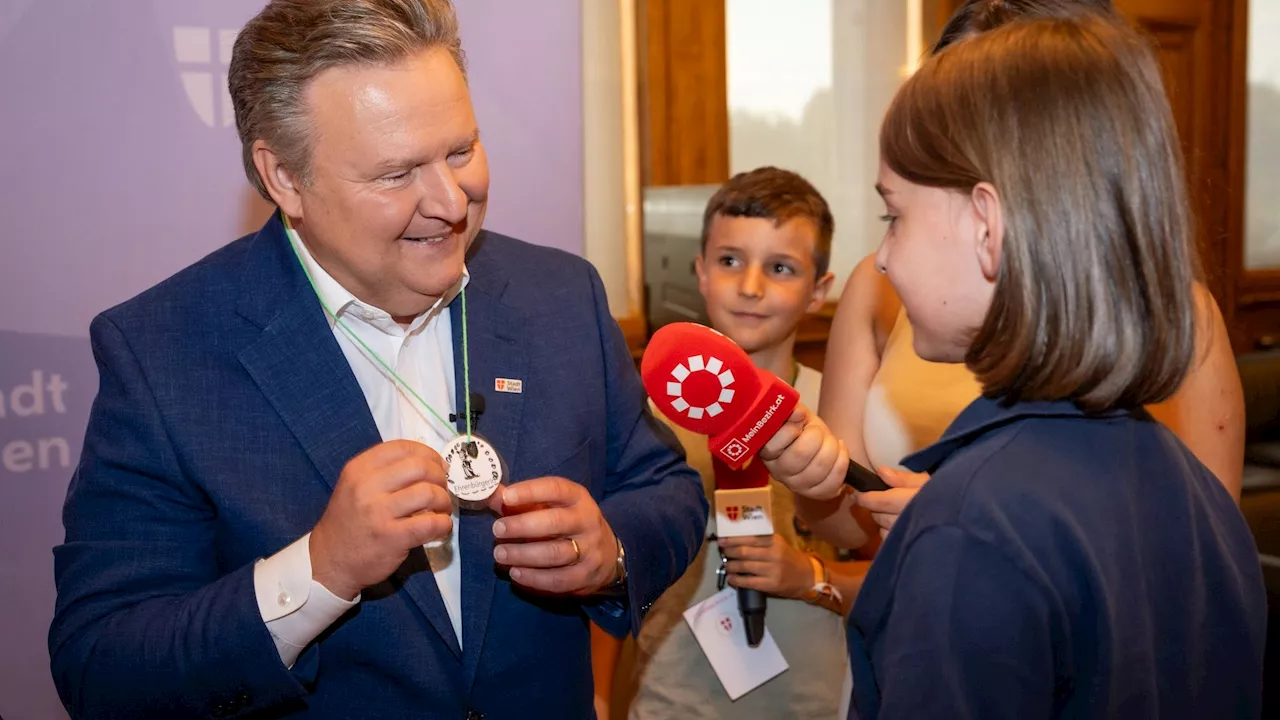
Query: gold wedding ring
{"x": 577, "y": 551}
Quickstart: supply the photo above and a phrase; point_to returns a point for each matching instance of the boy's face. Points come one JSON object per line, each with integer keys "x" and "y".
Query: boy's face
{"x": 759, "y": 279}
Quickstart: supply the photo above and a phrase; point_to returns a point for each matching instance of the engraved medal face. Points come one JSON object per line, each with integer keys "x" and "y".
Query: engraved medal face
{"x": 475, "y": 468}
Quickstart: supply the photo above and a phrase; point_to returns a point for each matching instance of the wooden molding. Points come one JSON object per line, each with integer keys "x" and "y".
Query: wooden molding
{"x": 943, "y": 10}
{"x": 1251, "y": 298}
{"x": 812, "y": 336}
{"x": 631, "y": 167}
{"x": 684, "y": 92}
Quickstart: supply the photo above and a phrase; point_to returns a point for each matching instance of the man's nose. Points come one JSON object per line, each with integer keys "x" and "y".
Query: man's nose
{"x": 442, "y": 197}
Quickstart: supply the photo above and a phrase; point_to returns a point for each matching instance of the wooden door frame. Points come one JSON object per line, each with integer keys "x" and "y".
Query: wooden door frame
{"x": 947, "y": 8}
{"x": 684, "y": 92}
{"x": 1252, "y": 290}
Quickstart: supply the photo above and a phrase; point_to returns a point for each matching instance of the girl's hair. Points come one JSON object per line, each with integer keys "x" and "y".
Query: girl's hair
{"x": 1067, "y": 118}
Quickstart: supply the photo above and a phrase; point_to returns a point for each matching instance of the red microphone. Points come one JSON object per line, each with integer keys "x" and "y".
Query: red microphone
{"x": 705, "y": 383}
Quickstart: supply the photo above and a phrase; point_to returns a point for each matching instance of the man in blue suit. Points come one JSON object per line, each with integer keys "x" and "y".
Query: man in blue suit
{"x": 260, "y": 526}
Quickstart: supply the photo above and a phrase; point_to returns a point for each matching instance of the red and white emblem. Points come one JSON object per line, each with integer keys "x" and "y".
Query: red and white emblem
{"x": 726, "y": 625}
{"x": 700, "y": 387}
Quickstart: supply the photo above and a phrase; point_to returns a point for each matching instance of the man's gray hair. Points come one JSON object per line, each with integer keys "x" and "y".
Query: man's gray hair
{"x": 290, "y": 42}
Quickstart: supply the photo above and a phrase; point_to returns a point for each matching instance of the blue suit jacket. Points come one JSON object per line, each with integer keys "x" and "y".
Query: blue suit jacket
{"x": 226, "y": 412}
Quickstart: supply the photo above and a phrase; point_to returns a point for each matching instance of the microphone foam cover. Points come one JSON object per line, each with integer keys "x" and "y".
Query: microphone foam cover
{"x": 700, "y": 379}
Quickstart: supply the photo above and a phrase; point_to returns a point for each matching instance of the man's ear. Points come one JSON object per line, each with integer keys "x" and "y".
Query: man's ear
{"x": 281, "y": 183}
{"x": 820, "y": 291}
{"x": 989, "y": 228}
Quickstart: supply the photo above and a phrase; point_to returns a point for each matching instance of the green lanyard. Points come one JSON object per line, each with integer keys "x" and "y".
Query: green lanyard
{"x": 400, "y": 383}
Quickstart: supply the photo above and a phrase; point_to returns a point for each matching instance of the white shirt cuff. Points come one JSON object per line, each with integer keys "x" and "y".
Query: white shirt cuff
{"x": 295, "y": 608}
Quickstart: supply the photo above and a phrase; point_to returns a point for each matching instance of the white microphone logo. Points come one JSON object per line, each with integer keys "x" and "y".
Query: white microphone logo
{"x": 691, "y": 367}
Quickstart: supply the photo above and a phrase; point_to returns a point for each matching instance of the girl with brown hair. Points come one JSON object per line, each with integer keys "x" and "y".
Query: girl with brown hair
{"x": 885, "y": 402}
{"x": 1069, "y": 556}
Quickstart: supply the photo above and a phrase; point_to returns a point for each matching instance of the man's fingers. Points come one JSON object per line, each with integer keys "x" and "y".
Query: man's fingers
{"x": 409, "y": 469}
{"x": 495, "y": 504}
{"x": 424, "y": 528}
{"x": 550, "y": 522}
{"x": 419, "y": 497}
{"x": 385, "y": 453}
{"x": 554, "y": 581}
{"x": 558, "y": 552}
{"x": 542, "y": 491}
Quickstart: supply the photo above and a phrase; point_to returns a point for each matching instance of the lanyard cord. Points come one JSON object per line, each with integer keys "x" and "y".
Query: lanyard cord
{"x": 400, "y": 383}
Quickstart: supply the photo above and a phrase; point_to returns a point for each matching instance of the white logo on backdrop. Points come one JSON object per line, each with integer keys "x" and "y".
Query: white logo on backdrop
{"x": 194, "y": 47}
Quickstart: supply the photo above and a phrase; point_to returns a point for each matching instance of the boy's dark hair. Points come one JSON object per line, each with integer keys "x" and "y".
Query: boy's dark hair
{"x": 778, "y": 195}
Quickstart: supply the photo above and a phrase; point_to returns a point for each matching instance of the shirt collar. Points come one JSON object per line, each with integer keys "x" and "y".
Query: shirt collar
{"x": 340, "y": 301}
{"x": 986, "y": 414}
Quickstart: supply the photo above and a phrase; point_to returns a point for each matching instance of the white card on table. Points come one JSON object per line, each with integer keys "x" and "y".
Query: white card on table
{"x": 717, "y": 624}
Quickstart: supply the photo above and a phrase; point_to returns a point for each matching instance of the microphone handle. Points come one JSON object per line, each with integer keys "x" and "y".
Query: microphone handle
{"x": 751, "y": 604}
{"x": 862, "y": 479}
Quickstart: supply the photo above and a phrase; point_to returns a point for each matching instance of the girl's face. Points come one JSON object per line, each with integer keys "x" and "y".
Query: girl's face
{"x": 941, "y": 251}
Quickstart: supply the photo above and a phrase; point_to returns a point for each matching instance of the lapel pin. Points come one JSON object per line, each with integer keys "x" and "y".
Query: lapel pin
{"x": 508, "y": 385}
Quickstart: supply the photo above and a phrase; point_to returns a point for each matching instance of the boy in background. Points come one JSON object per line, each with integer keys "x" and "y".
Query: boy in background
{"x": 766, "y": 243}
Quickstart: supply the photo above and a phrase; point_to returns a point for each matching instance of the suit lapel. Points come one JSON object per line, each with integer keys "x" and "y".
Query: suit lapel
{"x": 299, "y": 367}
{"x": 297, "y": 363}
{"x": 494, "y": 353}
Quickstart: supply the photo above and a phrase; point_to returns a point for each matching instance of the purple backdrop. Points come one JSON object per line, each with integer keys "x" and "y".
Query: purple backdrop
{"x": 120, "y": 165}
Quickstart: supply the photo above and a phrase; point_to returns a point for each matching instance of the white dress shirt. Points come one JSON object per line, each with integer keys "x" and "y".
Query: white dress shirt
{"x": 296, "y": 608}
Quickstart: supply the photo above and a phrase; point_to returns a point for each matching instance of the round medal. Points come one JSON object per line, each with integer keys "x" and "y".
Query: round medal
{"x": 475, "y": 468}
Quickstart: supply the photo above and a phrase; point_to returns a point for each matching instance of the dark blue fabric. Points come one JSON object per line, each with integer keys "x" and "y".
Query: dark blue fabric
{"x": 1061, "y": 565}
{"x": 225, "y": 413}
